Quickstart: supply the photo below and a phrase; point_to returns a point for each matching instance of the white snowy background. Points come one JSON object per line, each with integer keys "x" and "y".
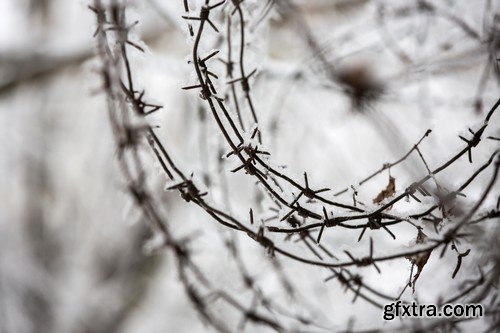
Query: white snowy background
{"x": 71, "y": 242}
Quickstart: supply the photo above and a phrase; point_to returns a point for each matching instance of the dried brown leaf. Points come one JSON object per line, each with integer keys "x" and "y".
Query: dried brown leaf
{"x": 387, "y": 192}
{"x": 419, "y": 260}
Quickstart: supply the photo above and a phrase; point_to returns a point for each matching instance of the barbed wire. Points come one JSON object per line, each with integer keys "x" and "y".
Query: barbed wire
{"x": 128, "y": 109}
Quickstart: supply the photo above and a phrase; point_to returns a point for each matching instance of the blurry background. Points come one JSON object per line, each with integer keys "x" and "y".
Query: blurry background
{"x": 71, "y": 243}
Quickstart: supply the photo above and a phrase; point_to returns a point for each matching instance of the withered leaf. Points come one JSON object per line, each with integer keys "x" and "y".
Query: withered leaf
{"x": 387, "y": 192}
{"x": 419, "y": 260}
